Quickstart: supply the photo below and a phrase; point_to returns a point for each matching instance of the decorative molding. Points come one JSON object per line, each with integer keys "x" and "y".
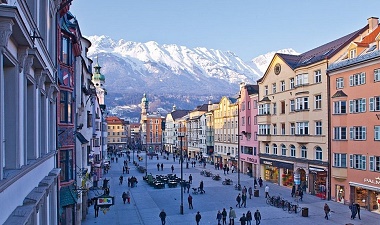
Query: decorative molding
{"x": 22, "y": 53}
{"x": 28, "y": 65}
{"x": 5, "y": 32}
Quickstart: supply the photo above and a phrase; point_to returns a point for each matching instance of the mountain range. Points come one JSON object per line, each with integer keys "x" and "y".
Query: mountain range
{"x": 172, "y": 71}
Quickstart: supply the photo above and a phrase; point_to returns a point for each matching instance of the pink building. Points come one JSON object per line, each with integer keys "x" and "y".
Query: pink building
{"x": 355, "y": 122}
{"x": 248, "y": 143}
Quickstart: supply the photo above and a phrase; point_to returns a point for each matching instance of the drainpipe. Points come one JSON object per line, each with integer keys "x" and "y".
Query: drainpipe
{"x": 328, "y": 134}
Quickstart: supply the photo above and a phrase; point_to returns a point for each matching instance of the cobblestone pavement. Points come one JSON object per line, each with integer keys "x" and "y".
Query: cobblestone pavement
{"x": 147, "y": 202}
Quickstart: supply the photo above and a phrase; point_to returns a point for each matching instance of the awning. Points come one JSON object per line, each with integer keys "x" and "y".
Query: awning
{"x": 81, "y": 138}
{"x": 67, "y": 196}
{"x": 369, "y": 187}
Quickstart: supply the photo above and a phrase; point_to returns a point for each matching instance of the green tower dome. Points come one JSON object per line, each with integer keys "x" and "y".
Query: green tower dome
{"x": 97, "y": 75}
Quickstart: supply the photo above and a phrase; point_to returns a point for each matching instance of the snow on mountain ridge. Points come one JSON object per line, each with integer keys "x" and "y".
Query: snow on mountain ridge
{"x": 262, "y": 62}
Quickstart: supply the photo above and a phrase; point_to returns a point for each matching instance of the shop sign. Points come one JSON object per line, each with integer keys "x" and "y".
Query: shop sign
{"x": 105, "y": 201}
{"x": 277, "y": 164}
{"x": 249, "y": 159}
{"x": 267, "y": 162}
{"x": 371, "y": 181}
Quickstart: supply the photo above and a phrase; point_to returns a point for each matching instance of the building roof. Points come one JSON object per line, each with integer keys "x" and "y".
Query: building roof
{"x": 338, "y": 94}
{"x": 179, "y": 114}
{"x": 203, "y": 107}
{"x": 252, "y": 89}
{"x": 114, "y": 120}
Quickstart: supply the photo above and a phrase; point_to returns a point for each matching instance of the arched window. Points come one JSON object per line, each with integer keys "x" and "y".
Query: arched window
{"x": 267, "y": 148}
{"x": 292, "y": 151}
{"x": 318, "y": 153}
{"x": 274, "y": 148}
{"x": 303, "y": 152}
{"x": 283, "y": 149}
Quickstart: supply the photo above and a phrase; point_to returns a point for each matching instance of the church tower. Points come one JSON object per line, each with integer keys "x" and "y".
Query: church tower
{"x": 144, "y": 117}
{"x": 99, "y": 79}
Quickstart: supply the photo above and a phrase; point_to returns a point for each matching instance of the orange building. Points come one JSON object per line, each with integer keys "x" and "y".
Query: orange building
{"x": 355, "y": 122}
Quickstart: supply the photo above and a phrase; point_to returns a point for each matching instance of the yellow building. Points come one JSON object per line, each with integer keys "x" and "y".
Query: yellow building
{"x": 117, "y": 138}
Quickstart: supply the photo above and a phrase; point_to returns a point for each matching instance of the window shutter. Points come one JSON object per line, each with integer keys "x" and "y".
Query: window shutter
{"x": 351, "y": 161}
{"x": 364, "y": 133}
{"x": 371, "y": 163}
{"x": 371, "y": 104}
{"x": 351, "y": 81}
{"x": 362, "y": 77}
{"x": 364, "y": 104}
{"x": 351, "y": 133}
{"x": 364, "y": 162}
{"x": 351, "y": 106}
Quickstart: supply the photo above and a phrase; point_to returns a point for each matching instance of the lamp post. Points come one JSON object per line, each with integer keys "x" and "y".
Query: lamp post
{"x": 239, "y": 135}
{"x": 146, "y": 157}
{"x": 181, "y": 158}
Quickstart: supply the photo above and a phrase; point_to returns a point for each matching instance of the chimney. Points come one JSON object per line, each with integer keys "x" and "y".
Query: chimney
{"x": 373, "y": 22}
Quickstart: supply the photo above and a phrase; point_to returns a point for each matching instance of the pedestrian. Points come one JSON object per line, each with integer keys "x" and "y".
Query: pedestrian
{"x": 232, "y": 216}
{"x": 163, "y": 217}
{"x": 248, "y": 217}
{"x": 128, "y": 197}
{"x": 190, "y": 179}
{"x": 201, "y": 187}
{"x": 354, "y": 210}
{"x": 232, "y": 169}
{"x": 219, "y": 217}
{"x": 244, "y": 200}
{"x": 257, "y": 216}
{"x": 224, "y": 216}
{"x": 121, "y": 180}
{"x": 293, "y": 190}
{"x": 172, "y": 168}
{"x": 124, "y": 197}
{"x": 158, "y": 166}
{"x": 224, "y": 169}
{"x": 129, "y": 181}
{"x": 188, "y": 187}
{"x": 250, "y": 192}
{"x": 255, "y": 183}
{"x": 326, "y": 208}
{"x": 96, "y": 208}
{"x": 244, "y": 190}
{"x": 228, "y": 169}
{"x": 198, "y": 217}
{"x": 190, "y": 201}
{"x": 123, "y": 169}
{"x": 300, "y": 193}
{"x": 266, "y": 191}
{"x": 260, "y": 182}
{"x": 358, "y": 210}
{"x": 238, "y": 199}
{"x": 162, "y": 166}
{"x": 242, "y": 219}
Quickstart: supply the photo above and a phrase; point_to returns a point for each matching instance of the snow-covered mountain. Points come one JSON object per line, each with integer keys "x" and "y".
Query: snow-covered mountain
{"x": 261, "y": 63}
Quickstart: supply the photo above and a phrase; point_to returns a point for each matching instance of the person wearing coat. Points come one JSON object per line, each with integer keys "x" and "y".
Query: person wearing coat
{"x": 219, "y": 217}
{"x": 198, "y": 217}
{"x": 248, "y": 217}
{"x": 232, "y": 216}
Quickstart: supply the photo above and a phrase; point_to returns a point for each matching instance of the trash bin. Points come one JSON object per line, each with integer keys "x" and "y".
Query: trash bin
{"x": 305, "y": 212}
{"x": 256, "y": 193}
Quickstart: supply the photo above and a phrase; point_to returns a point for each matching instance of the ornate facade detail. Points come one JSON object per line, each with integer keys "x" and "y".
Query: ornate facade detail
{"x": 27, "y": 66}
{"x": 22, "y": 53}
{"x": 5, "y": 32}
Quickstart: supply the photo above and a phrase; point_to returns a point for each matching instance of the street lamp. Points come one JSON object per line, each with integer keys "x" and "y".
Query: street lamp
{"x": 182, "y": 185}
{"x": 146, "y": 157}
{"x": 239, "y": 135}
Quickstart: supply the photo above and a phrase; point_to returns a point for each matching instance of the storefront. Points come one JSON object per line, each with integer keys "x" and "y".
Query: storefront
{"x": 317, "y": 179}
{"x": 340, "y": 194}
{"x": 250, "y": 165}
{"x": 277, "y": 172}
{"x": 367, "y": 196}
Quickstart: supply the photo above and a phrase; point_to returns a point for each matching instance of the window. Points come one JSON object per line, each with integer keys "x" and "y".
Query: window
{"x": 66, "y": 51}
{"x": 352, "y": 53}
{"x": 317, "y": 76}
{"x": 358, "y": 105}
{"x": 243, "y": 121}
{"x": 249, "y": 105}
{"x": 89, "y": 120}
{"x": 318, "y": 153}
{"x": 66, "y": 165}
{"x": 255, "y": 120}
{"x": 282, "y": 107}
{"x": 274, "y": 108}
{"x": 249, "y": 120}
{"x": 282, "y": 128}
{"x": 357, "y": 79}
{"x": 282, "y": 85}
{"x": 65, "y": 107}
{"x": 302, "y": 79}
{"x": 318, "y": 102}
{"x": 374, "y": 104}
{"x": 274, "y": 129}
{"x": 264, "y": 109}
{"x": 292, "y": 106}
{"x": 340, "y": 107}
{"x": 340, "y": 133}
{"x": 267, "y": 148}
{"x": 357, "y": 133}
{"x": 283, "y": 150}
{"x": 340, "y": 160}
{"x": 358, "y": 162}
{"x": 377, "y": 133}
{"x": 318, "y": 128}
{"x": 374, "y": 163}
{"x": 376, "y": 74}
{"x": 242, "y": 106}
{"x": 264, "y": 129}
{"x": 339, "y": 83}
{"x": 302, "y": 103}
{"x": 303, "y": 152}
{"x": 292, "y": 128}
{"x": 292, "y": 151}
{"x": 274, "y": 88}
{"x": 274, "y": 148}
{"x": 302, "y": 128}
{"x": 266, "y": 90}
{"x": 291, "y": 83}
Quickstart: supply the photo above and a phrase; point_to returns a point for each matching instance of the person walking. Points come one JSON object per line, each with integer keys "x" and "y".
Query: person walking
{"x": 260, "y": 182}
{"x": 172, "y": 168}
{"x": 255, "y": 183}
{"x": 219, "y": 217}
{"x": 250, "y": 192}
{"x": 121, "y": 180}
{"x": 266, "y": 191}
{"x": 128, "y": 197}
{"x": 158, "y": 166}
{"x": 358, "y": 210}
{"x": 238, "y": 199}
{"x": 124, "y": 197}
{"x": 326, "y": 208}
{"x": 354, "y": 210}
{"x": 224, "y": 216}
{"x": 248, "y": 216}
{"x": 190, "y": 179}
{"x": 201, "y": 187}
{"x": 293, "y": 190}
{"x": 163, "y": 217}
{"x": 244, "y": 200}
{"x": 300, "y": 193}
{"x": 257, "y": 217}
{"x": 190, "y": 201}
{"x": 232, "y": 216}
{"x": 96, "y": 208}
{"x": 243, "y": 219}
{"x": 162, "y": 166}
{"x": 198, "y": 217}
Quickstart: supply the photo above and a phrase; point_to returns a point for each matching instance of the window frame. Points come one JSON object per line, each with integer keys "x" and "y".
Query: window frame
{"x": 317, "y": 76}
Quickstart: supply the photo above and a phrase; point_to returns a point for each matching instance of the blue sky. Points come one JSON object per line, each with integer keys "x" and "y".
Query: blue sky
{"x": 246, "y": 27}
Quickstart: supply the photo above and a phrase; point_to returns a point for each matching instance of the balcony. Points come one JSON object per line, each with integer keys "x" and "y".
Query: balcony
{"x": 262, "y": 137}
{"x": 264, "y": 119}
{"x": 339, "y": 173}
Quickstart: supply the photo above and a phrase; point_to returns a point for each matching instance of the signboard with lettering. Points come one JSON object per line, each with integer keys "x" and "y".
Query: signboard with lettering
{"x": 375, "y": 181}
{"x": 285, "y": 165}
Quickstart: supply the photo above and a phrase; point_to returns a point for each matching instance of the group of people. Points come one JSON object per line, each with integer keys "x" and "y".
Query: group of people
{"x": 246, "y": 218}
